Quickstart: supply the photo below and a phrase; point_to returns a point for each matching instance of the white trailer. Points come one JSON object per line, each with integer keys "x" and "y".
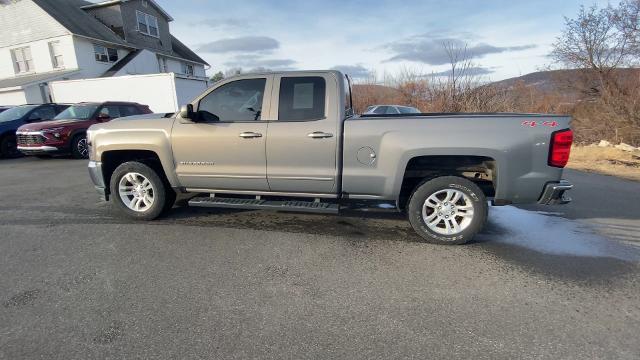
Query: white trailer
{"x": 163, "y": 93}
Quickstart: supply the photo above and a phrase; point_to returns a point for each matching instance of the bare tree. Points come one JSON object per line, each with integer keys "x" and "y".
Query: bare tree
{"x": 603, "y": 43}
{"x": 627, "y": 19}
{"x": 599, "y": 39}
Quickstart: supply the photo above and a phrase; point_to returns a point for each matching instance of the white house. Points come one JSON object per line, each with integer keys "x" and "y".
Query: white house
{"x": 47, "y": 40}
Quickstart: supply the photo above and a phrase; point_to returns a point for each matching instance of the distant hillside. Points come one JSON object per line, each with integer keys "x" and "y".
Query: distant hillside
{"x": 561, "y": 82}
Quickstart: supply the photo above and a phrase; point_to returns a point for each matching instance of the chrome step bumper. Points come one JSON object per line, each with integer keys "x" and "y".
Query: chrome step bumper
{"x": 555, "y": 193}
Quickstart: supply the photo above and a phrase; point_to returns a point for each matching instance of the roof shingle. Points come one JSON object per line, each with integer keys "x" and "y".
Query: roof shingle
{"x": 77, "y": 21}
{"x": 70, "y": 15}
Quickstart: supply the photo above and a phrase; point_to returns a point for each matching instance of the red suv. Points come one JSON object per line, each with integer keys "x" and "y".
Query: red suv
{"x": 66, "y": 133}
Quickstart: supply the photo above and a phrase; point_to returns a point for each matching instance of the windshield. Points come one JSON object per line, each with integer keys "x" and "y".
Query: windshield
{"x": 80, "y": 112}
{"x": 408, "y": 110}
{"x": 15, "y": 113}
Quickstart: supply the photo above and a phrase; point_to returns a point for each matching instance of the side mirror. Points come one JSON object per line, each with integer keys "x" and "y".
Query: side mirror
{"x": 186, "y": 112}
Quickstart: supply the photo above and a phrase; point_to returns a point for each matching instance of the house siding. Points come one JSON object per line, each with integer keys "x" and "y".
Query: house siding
{"x": 144, "y": 63}
{"x": 133, "y": 36}
{"x": 175, "y": 66}
{"x": 15, "y": 15}
{"x": 41, "y": 56}
{"x": 87, "y": 63}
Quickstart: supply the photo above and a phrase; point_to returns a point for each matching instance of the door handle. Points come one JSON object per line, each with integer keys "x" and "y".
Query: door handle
{"x": 319, "y": 135}
{"x": 250, "y": 135}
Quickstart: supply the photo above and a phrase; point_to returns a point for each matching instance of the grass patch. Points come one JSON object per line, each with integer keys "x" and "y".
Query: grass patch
{"x": 606, "y": 160}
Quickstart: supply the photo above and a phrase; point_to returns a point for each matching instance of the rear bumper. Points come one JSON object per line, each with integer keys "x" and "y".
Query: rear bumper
{"x": 555, "y": 193}
{"x": 95, "y": 172}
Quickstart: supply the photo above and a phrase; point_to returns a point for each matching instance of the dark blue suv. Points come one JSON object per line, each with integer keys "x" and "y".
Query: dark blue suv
{"x": 13, "y": 118}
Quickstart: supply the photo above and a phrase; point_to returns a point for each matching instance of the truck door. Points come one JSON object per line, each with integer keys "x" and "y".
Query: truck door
{"x": 302, "y": 142}
{"x": 223, "y": 148}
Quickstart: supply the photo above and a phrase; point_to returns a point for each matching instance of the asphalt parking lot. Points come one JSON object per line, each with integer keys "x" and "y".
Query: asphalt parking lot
{"x": 78, "y": 282}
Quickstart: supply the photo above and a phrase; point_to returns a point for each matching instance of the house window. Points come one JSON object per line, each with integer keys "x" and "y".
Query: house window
{"x": 105, "y": 54}
{"x": 56, "y": 55}
{"x": 187, "y": 69}
{"x": 147, "y": 24}
{"x": 22, "y": 61}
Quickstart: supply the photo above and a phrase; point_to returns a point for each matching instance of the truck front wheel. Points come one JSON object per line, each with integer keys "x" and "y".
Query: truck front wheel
{"x": 139, "y": 192}
{"x": 447, "y": 210}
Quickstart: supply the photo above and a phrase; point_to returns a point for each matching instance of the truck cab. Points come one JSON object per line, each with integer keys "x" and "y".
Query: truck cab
{"x": 296, "y": 133}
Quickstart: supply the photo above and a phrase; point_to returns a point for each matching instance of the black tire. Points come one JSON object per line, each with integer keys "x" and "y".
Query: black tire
{"x": 164, "y": 196}
{"x": 79, "y": 149}
{"x": 8, "y": 147}
{"x": 427, "y": 188}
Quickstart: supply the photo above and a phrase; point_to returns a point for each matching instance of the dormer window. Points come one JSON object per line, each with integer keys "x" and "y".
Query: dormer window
{"x": 147, "y": 24}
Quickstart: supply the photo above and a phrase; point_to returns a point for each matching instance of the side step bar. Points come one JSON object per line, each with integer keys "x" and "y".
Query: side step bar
{"x": 259, "y": 204}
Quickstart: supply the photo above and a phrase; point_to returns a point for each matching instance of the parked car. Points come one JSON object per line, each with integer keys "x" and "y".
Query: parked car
{"x": 12, "y": 118}
{"x": 391, "y": 109}
{"x": 66, "y": 134}
{"x": 290, "y": 142}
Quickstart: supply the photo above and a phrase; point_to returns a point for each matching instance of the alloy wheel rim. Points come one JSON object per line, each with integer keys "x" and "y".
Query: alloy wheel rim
{"x": 448, "y": 212}
{"x": 82, "y": 147}
{"x": 136, "y": 192}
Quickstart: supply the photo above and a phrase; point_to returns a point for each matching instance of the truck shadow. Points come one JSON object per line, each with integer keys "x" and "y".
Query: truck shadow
{"x": 365, "y": 225}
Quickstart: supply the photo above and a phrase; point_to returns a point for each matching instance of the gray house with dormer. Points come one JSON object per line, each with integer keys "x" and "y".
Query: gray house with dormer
{"x": 49, "y": 40}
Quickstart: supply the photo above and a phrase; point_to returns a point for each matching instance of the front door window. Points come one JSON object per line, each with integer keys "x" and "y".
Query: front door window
{"x": 236, "y": 101}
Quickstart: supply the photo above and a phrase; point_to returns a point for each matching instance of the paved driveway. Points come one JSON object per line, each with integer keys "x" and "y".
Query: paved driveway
{"x": 79, "y": 283}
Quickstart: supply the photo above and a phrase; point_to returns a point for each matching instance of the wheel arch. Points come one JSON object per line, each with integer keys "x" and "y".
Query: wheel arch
{"x": 480, "y": 169}
{"x": 111, "y": 159}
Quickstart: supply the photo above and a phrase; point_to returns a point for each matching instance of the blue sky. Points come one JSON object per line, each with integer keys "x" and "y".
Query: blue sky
{"x": 506, "y": 38}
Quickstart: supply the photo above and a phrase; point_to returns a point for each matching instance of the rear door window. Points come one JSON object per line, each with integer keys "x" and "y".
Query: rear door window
{"x": 129, "y": 110}
{"x": 302, "y": 98}
{"x": 112, "y": 111}
{"x": 408, "y": 110}
{"x": 43, "y": 113}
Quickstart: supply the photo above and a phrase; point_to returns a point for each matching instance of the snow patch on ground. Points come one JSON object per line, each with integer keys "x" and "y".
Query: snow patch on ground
{"x": 547, "y": 233}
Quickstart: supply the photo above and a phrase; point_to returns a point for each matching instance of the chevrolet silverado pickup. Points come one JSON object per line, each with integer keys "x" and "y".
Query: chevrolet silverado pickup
{"x": 290, "y": 141}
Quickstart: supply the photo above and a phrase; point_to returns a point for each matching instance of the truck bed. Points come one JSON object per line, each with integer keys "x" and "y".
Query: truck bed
{"x": 518, "y": 144}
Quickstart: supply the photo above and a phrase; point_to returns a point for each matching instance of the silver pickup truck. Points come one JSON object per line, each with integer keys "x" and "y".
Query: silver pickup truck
{"x": 290, "y": 141}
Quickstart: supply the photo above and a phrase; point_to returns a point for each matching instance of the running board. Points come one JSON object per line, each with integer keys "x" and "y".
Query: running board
{"x": 259, "y": 204}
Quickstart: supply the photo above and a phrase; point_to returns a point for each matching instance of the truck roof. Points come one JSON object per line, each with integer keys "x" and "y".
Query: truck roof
{"x": 290, "y": 72}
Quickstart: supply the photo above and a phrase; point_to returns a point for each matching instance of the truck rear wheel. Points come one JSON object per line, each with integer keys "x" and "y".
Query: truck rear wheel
{"x": 448, "y": 210}
{"x": 139, "y": 192}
